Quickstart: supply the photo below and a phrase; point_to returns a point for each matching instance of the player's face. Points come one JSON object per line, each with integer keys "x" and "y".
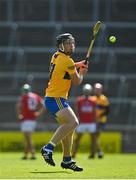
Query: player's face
{"x": 97, "y": 91}
{"x": 69, "y": 46}
{"x": 87, "y": 92}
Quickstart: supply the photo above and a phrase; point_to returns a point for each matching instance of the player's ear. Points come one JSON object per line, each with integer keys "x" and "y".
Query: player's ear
{"x": 61, "y": 47}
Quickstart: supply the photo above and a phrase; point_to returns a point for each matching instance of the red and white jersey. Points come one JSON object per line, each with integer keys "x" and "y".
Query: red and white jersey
{"x": 29, "y": 104}
{"x": 86, "y": 109}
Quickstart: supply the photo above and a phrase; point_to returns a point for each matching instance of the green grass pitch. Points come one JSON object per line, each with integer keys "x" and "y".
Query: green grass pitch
{"x": 112, "y": 166}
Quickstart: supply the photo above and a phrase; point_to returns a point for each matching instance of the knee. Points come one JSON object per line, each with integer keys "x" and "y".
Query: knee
{"x": 75, "y": 124}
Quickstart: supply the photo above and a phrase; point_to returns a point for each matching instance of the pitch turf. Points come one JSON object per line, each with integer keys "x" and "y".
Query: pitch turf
{"x": 118, "y": 166}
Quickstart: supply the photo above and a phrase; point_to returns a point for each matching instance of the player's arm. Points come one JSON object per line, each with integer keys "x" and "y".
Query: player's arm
{"x": 41, "y": 108}
{"x": 106, "y": 108}
{"x": 77, "y": 77}
{"x": 106, "y": 111}
{"x": 40, "y": 111}
{"x": 80, "y": 64}
{"x": 18, "y": 110}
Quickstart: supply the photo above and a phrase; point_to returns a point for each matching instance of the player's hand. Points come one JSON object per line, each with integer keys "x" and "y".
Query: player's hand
{"x": 37, "y": 114}
{"x": 83, "y": 69}
{"x": 80, "y": 64}
{"x": 20, "y": 116}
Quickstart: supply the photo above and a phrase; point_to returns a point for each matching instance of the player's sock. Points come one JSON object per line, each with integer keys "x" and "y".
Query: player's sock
{"x": 67, "y": 159}
{"x": 49, "y": 147}
{"x": 47, "y": 152}
{"x": 100, "y": 154}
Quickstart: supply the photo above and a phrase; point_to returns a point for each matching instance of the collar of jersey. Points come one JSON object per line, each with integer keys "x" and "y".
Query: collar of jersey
{"x": 62, "y": 52}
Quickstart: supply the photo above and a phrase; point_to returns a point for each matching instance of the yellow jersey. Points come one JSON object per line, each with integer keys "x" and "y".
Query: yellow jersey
{"x": 61, "y": 67}
{"x": 101, "y": 104}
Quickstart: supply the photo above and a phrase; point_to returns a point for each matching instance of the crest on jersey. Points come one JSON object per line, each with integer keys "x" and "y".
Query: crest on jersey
{"x": 71, "y": 67}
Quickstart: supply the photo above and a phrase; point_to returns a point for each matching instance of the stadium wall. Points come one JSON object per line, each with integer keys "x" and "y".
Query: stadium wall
{"x": 13, "y": 141}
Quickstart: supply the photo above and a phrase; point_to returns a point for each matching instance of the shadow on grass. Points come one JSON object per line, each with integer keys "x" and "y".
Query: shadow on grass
{"x": 49, "y": 172}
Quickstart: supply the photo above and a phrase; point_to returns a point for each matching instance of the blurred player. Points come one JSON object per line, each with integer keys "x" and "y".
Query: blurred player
{"x": 85, "y": 108}
{"x": 63, "y": 72}
{"x": 102, "y": 110}
{"x": 29, "y": 108}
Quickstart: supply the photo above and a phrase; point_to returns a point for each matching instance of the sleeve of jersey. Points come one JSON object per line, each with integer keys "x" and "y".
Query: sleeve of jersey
{"x": 70, "y": 66}
{"x": 106, "y": 101}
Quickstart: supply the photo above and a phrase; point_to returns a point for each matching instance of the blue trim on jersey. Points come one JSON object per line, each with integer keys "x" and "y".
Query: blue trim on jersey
{"x": 55, "y": 104}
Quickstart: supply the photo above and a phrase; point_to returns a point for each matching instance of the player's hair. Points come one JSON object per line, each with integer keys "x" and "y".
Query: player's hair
{"x": 63, "y": 37}
{"x": 26, "y": 88}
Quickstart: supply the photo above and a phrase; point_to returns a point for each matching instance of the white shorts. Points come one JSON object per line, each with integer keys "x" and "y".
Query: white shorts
{"x": 86, "y": 127}
{"x": 28, "y": 126}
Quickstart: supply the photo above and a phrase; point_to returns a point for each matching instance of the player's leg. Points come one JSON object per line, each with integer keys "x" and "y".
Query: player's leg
{"x": 26, "y": 147}
{"x": 30, "y": 126}
{"x": 31, "y": 145}
{"x": 80, "y": 130}
{"x": 67, "y": 143}
{"x": 67, "y": 162}
{"x": 76, "y": 144}
{"x": 29, "y": 142}
{"x": 23, "y": 127}
{"x": 100, "y": 127}
{"x": 93, "y": 139}
{"x": 92, "y": 128}
{"x": 68, "y": 122}
{"x": 99, "y": 149}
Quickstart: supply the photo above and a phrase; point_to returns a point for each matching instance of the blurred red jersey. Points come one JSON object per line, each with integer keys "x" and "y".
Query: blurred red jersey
{"x": 86, "y": 109}
{"x": 29, "y": 104}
